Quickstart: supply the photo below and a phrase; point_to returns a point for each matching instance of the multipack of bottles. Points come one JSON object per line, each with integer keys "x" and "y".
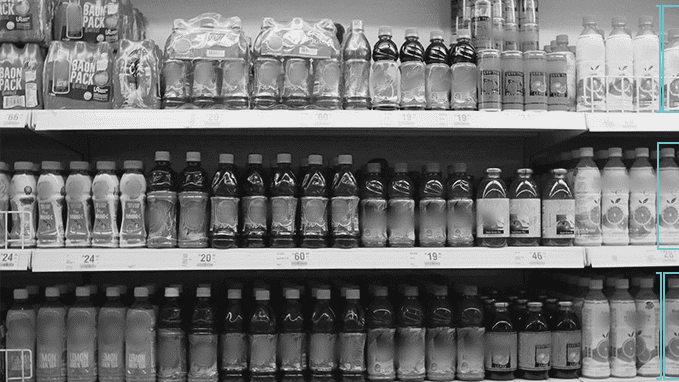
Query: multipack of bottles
{"x": 21, "y": 76}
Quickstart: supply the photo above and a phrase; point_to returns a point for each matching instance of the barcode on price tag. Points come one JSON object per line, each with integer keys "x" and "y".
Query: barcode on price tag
{"x": 13, "y": 119}
{"x": 206, "y": 260}
{"x": 9, "y": 260}
{"x": 426, "y": 259}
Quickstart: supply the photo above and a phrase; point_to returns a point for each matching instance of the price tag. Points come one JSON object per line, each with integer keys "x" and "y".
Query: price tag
{"x": 667, "y": 256}
{"x": 462, "y": 119}
{"x": 13, "y": 119}
{"x": 205, "y": 260}
{"x": 321, "y": 119}
{"x": 531, "y": 258}
{"x": 85, "y": 262}
{"x": 9, "y": 260}
{"x": 406, "y": 120}
{"x": 426, "y": 259}
{"x": 293, "y": 259}
{"x": 201, "y": 119}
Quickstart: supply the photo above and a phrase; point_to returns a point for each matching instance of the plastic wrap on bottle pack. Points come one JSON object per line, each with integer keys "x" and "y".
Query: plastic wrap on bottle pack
{"x": 206, "y": 64}
{"x": 296, "y": 63}
{"x": 92, "y": 20}
{"x": 21, "y": 80}
{"x": 136, "y": 78}
{"x": 26, "y": 21}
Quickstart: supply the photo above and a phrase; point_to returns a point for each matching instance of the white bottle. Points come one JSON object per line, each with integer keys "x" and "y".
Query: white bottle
{"x": 671, "y": 62}
{"x": 615, "y": 200}
{"x": 590, "y": 60}
{"x": 79, "y": 204}
{"x": 672, "y": 328}
{"x": 648, "y": 329}
{"x": 668, "y": 214}
{"x": 23, "y": 198}
{"x": 646, "y": 66}
{"x": 132, "y": 205}
{"x": 642, "y": 183}
{"x": 4, "y": 201}
{"x": 50, "y": 232}
{"x": 623, "y": 332}
{"x": 105, "y": 198}
{"x": 595, "y": 332}
{"x": 619, "y": 67}
{"x": 587, "y": 188}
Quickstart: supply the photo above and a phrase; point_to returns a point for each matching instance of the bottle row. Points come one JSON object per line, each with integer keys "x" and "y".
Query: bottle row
{"x": 496, "y": 336}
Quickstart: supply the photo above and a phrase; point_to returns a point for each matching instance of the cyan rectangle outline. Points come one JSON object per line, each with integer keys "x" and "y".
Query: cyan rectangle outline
{"x": 662, "y": 326}
{"x": 657, "y": 198}
{"x": 661, "y": 58}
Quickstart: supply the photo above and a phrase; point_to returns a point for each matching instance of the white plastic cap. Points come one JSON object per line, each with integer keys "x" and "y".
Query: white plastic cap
{"x": 353, "y": 294}
{"x": 411, "y": 291}
{"x": 667, "y": 152}
{"x": 323, "y": 294}
{"x": 374, "y": 167}
{"x": 171, "y": 292}
{"x": 615, "y": 152}
{"x": 203, "y": 292}
{"x": 384, "y": 31}
{"x": 52, "y": 292}
{"x": 133, "y": 165}
{"x": 20, "y": 294}
{"x": 316, "y": 160}
{"x": 596, "y": 284}
{"x": 292, "y": 294}
{"x": 464, "y": 33}
{"x": 79, "y": 166}
{"x": 284, "y": 158}
{"x": 436, "y": 35}
{"x": 412, "y": 32}
{"x": 226, "y": 158}
{"x": 162, "y": 156}
{"x": 262, "y": 295}
{"x": 141, "y": 292}
{"x": 460, "y": 167}
{"x": 586, "y": 152}
{"x": 106, "y": 165}
{"x": 193, "y": 156}
{"x": 345, "y": 159}
{"x": 621, "y": 284}
{"x": 255, "y": 159}
{"x": 82, "y": 291}
{"x": 23, "y": 166}
{"x": 641, "y": 152}
{"x": 112, "y": 292}
{"x": 49, "y": 165}
{"x": 433, "y": 167}
{"x": 234, "y": 294}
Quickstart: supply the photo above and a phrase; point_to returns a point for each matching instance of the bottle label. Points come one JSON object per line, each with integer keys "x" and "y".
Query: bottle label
{"x": 24, "y": 221}
{"x": 501, "y": 351}
{"x": 535, "y": 349}
{"x": 171, "y": 354}
{"x": 558, "y": 89}
{"x": 161, "y": 212}
{"x": 263, "y": 353}
{"x": 235, "y": 78}
{"x": 16, "y": 16}
{"x": 489, "y": 97}
{"x": 111, "y": 342}
{"x": 537, "y": 88}
{"x": 327, "y": 78}
{"x": 283, "y": 212}
{"x": 351, "y": 352}
{"x": 513, "y": 89}
{"x": 591, "y": 89}
{"x": 648, "y": 337}
{"x": 380, "y": 353}
{"x": 438, "y": 86}
{"x": 234, "y": 351}
{"x": 412, "y": 83}
{"x": 224, "y": 216}
{"x": 587, "y": 207}
{"x": 461, "y": 223}
{"x": 566, "y": 347}
{"x": 193, "y": 219}
{"x": 595, "y": 339}
{"x": 524, "y": 218}
{"x": 20, "y": 322}
{"x": 50, "y": 355}
{"x": 82, "y": 342}
{"x": 440, "y": 353}
{"x": 105, "y": 227}
{"x": 322, "y": 352}
{"x": 615, "y": 217}
{"x": 296, "y": 79}
{"x": 356, "y": 72}
{"x": 623, "y": 338}
{"x": 470, "y": 352}
{"x": 491, "y": 218}
{"x": 78, "y": 224}
{"x": 51, "y": 229}
{"x": 668, "y": 212}
{"x": 530, "y": 42}
{"x": 140, "y": 343}
{"x": 385, "y": 83}
{"x": 291, "y": 352}
{"x": 373, "y": 222}
{"x": 401, "y": 221}
{"x": 132, "y": 228}
{"x": 254, "y": 214}
{"x": 205, "y": 79}
{"x": 203, "y": 356}
{"x": 266, "y": 81}
{"x": 314, "y": 216}
{"x": 464, "y": 86}
{"x": 672, "y": 337}
{"x": 642, "y": 218}
{"x": 411, "y": 345}
{"x": 558, "y": 219}
{"x": 433, "y": 221}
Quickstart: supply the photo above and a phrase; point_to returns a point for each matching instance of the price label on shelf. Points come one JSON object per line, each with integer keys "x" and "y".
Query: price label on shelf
{"x": 82, "y": 261}
{"x": 462, "y": 119}
{"x": 666, "y": 257}
{"x": 13, "y": 119}
{"x": 9, "y": 260}
{"x": 528, "y": 258}
{"x": 205, "y": 260}
{"x": 406, "y": 119}
{"x": 293, "y": 259}
{"x": 425, "y": 259}
{"x": 202, "y": 118}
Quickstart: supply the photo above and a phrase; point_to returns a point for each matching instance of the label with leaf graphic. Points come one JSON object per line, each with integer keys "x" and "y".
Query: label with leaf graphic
{"x": 648, "y": 336}
{"x": 623, "y": 338}
{"x": 615, "y": 218}
{"x": 590, "y": 87}
{"x": 535, "y": 349}
{"x": 595, "y": 339}
{"x": 587, "y": 207}
{"x": 671, "y": 336}
{"x": 668, "y": 216}
{"x": 642, "y": 219}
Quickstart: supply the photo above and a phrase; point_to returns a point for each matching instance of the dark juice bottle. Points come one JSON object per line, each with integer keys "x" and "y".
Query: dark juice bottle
{"x": 460, "y": 203}
{"x": 411, "y": 338}
{"x": 535, "y": 344}
{"x": 524, "y": 210}
{"x": 162, "y": 203}
{"x": 412, "y": 72}
{"x": 203, "y": 339}
{"x": 352, "y": 335}
{"x": 566, "y": 342}
{"x": 385, "y": 79}
{"x": 314, "y": 205}
{"x": 437, "y": 73}
{"x": 254, "y": 204}
{"x": 501, "y": 344}
{"x": 225, "y": 202}
{"x": 233, "y": 339}
{"x": 322, "y": 358}
{"x": 440, "y": 339}
{"x": 283, "y": 203}
{"x": 492, "y": 211}
{"x": 292, "y": 339}
{"x": 373, "y": 211}
{"x": 558, "y": 211}
{"x": 470, "y": 336}
{"x": 401, "y": 208}
{"x": 263, "y": 337}
{"x": 194, "y": 189}
{"x": 171, "y": 339}
{"x": 432, "y": 208}
{"x": 380, "y": 348}
{"x": 344, "y": 205}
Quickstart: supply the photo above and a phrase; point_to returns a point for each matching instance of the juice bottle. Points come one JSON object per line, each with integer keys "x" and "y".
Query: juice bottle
{"x": 440, "y": 339}
{"x": 460, "y": 203}
{"x": 470, "y": 336}
{"x": 437, "y": 73}
{"x": 171, "y": 339}
{"x": 254, "y": 204}
{"x": 380, "y": 349}
{"x": 4, "y": 205}
{"x": 610, "y": 285}
{"x": 412, "y": 72}
{"x": 50, "y": 231}
{"x": 262, "y": 336}
{"x": 162, "y": 203}
{"x": 615, "y": 200}
{"x": 482, "y": 24}
{"x": 344, "y": 205}
{"x": 648, "y": 329}
{"x": 623, "y": 332}
{"x": 20, "y": 323}
{"x": 203, "y": 340}
{"x": 352, "y": 335}
{"x": 535, "y": 343}
{"x": 314, "y": 205}
{"x": 668, "y": 193}
{"x": 558, "y": 211}
{"x": 140, "y": 339}
{"x": 579, "y": 295}
{"x": 79, "y": 203}
{"x": 512, "y": 80}
{"x": 557, "y": 82}
{"x": 464, "y": 73}
{"x": 535, "y": 80}
{"x": 111, "y": 337}
{"x": 225, "y": 201}
{"x": 401, "y": 208}
{"x": 432, "y": 208}
{"x": 233, "y": 339}
{"x": 23, "y": 199}
{"x": 322, "y": 358}
{"x": 587, "y": 188}
{"x": 489, "y": 82}
{"x": 356, "y": 68}
{"x": 590, "y": 61}
{"x": 292, "y": 339}
{"x": 51, "y": 339}
{"x": 642, "y": 183}
{"x": 672, "y": 328}
{"x": 566, "y": 342}
{"x": 81, "y": 345}
{"x": 373, "y": 208}
{"x": 671, "y": 70}
{"x": 193, "y": 203}
{"x": 601, "y": 157}
{"x": 132, "y": 202}
{"x": 492, "y": 211}
{"x": 283, "y": 203}
{"x": 628, "y": 157}
{"x": 501, "y": 344}
{"x": 411, "y": 338}
{"x": 524, "y": 210}
{"x": 571, "y": 80}
{"x": 385, "y": 79}
{"x": 619, "y": 67}
{"x": 105, "y": 200}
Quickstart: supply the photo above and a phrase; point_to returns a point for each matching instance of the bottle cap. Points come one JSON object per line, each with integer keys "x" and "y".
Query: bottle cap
{"x": 460, "y": 167}
{"x": 436, "y": 35}
{"x": 79, "y": 166}
{"x": 673, "y": 33}
{"x": 141, "y": 292}
{"x": 565, "y": 303}
{"x": 641, "y": 152}
{"x": 193, "y": 156}
{"x": 323, "y": 294}
{"x": 621, "y": 284}
{"x": 384, "y": 31}
{"x": 546, "y": 48}
{"x": 283, "y": 158}
{"x": 82, "y": 291}
{"x": 262, "y": 295}
{"x": 171, "y": 292}
{"x": 493, "y": 170}
{"x": 345, "y": 159}
{"x": 33, "y": 290}
{"x": 400, "y": 167}
{"x": 4, "y": 166}
{"x": 162, "y": 156}
{"x": 316, "y": 160}
{"x": 412, "y": 32}
{"x": 374, "y": 167}
{"x": 463, "y": 33}
{"x": 562, "y": 39}
{"x": 441, "y": 290}
{"x": 255, "y": 159}
{"x": 534, "y": 304}
{"x": 646, "y": 283}
{"x": 433, "y": 167}
{"x": 524, "y": 171}
{"x": 112, "y": 292}
{"x": 673, "y": 282}
{"x": 52, "y": 292}
{"x": 353, "y": 294}
{"x": 619, "y": 20}
{"x": 292, "y": 294}
{"x": 234, "y": 294}
{"x": 226, "y": 158}
{"x": 133, "y": 165}
{"x": 20, "y": 294}
{"x": 587, "y": 20}
{"x": 356, "y": 25}
{"x": 49, "y": 165}
{"x": 583, "y": 281}
{"x": 411, "y": 291}
{"x": 106, "y": 165}
{"x": 596, "y": 284}
{"x": 203, "y": 292}
{"x": 586, "y": 152}
{"x": 575, "y": 154}
{"x": 667, "y": 152}
{"x": 470, "y": 290}
{"x": 559, "y": 171}
{"x": 646, "y": 20}
{"x": 178, "y": 287}
{"x": 552, "y": 44}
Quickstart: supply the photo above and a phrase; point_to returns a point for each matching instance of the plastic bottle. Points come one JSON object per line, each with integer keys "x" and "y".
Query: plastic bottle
{"x": 111, "y": 337}
{"x": 21, "y": 326}
{"x": 464, "y": 73}
{"x": 51, "y": 339}
{"x": 225, "y": 204}
{"x": 623, "y": 332}
{"x": 314, "y": 205}
{"x": 50, "y": 233}
{"x": 492, "y": 211}
{"x": 344, "y": 205}
{"x": 411, "y": 338}
{"x": 385, "y": 79}
{"x": 524, "y": 210}
{"x": 619, "y": 67}
{"x": 79, "y": 202}
{"x": 356, "y": 68}
{"x": 171, "y": 339}
{"x": 460, "y": 206}
{"x": 283, "y": 203}
{"x": 132, "y": 205}
{"x": 23, "y": 199}
{"x": 81, "y": 345}
{"x": 352, "y": 335}
{"x": 203, "y": 340}
{"x": 193, "y": 203}
{"x": 162, "y": 203}
{"x": 671, "y": 70}
{"x": 600, "y": 158}
{"x": 571, "y": 80}
{"x": 263, "y": 338}
{"x": 579, "y": 295}
{"x": 140, "y": 339}
{"x": 470, "y": 336}
{"x": 672, "y": 328}
{"x": 105, "y": 200}
{"x": 440, "y": 339}
{"x": 432, "y": 213}
{"x": 648, "y": 330}
{"x": 566, "y": 342}
{"x": 401, "y": 210}
{"x": 254, "y": 204}
{"x": 587, "y": 189}
{"x": 482, "y": 24}
{"x": 590, "y": 60}
{"x": 615, "y": 200}
{"x": 292, "y": 339}
{"x": 412, "y": 72}
{"x": 642, "y": 200}
{"x": 380, "y": 349}
{"x": 233, "y": 339}
{"x": 322, "y": 349}
{"x": 668, "y": 193}
{"x": 4, "y": 206}
{"x": 501, "y": 344}
{"x": 373, "y": 208}
{"x": 558, "y": 211}
{"x": 535, "y": 343}
{"x": 437, "y": 73}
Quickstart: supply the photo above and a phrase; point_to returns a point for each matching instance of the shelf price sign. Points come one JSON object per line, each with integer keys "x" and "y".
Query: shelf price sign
{"x": 9, "y": 260}
{"x": 667, "y": 256}
{"x": 531, "y": 258}
{"x": 204, "y": 260}
{"x": 82, "y": 261}
{"x": 293, "y": 259}
{"x": 426, "y": 259}
{"x": 15, "y": 119}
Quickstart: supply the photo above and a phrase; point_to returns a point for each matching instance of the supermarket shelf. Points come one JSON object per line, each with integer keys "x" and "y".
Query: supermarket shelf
{"x": 120, "y": 259}
{"x": 631, "y": 256}
{"x": 15, "y": 259}
{"x": 631, "y": 122}
{"x": 15, "y": 119}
